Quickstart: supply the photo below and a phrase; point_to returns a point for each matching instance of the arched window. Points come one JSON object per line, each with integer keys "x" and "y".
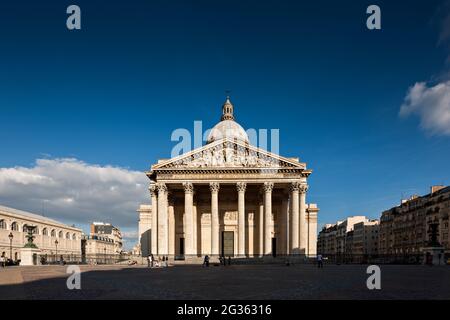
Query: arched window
{"x": 74, "y": 237}
{"x": 53, "y": 233}
{"x": 2, "y": 224}
{"x": 60, "y": 234}
{"x": 68, "y": 235}
{"x": 45, "y": 232}
{"x": 25, "y": 228}
{"x": 36, "y": 230}
{"x": 14, "y": 226}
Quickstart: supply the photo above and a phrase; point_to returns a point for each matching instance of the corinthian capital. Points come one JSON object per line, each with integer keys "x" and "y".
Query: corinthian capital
{"x": 162, "y": 188}
{"x": 153, "y": 190}
{"x": 304, "y": 188}
{"x": 188, "y": 187}
{"x": 268, "y": 186}
{"x": 241, "y": 186}
{"x": 214, "y": 186}
{"x": 295, "y": 186}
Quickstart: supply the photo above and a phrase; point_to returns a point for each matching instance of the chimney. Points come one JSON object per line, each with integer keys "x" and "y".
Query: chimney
{"x": 436, "y": 188}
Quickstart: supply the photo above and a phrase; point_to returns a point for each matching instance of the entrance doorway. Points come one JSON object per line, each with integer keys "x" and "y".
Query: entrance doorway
{"x": 181, "y": 246}
{"x": 227, "y": 243}
{"x": 274, "y": 247}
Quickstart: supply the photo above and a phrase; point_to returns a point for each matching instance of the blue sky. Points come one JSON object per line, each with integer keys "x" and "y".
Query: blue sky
{"x": 111, "y": 93}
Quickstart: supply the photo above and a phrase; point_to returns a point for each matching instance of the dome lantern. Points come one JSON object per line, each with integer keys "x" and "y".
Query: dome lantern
{"x": 227, "y": 127}
{"x": 227, "y": 110}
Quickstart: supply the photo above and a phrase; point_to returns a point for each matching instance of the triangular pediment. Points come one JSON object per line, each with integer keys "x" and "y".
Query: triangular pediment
{"x": 230, "y": 154}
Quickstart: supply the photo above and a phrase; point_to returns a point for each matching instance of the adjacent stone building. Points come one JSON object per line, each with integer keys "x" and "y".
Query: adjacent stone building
{"x": 342, "y": 230}
{"x": 97, "y": 245}
{"x": 356, "y": 235}
{"x": 107, "y": 230}
{"x": 326, "y": 240}
{"x": 51, "y": 236}
{"x": 405, "y": 229}
{"x": 365, "y": 238}
{"x": 229, "y": 198}
{"x": 145, "y": 225}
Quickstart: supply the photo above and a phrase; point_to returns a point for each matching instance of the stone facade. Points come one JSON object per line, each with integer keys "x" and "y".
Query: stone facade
{"x": 109, "y": 231}
{"x": 355, "y": 235}
{"x": 365, "y": 238}
{"x": 229, "y": 198}
{"x": 145, "y": 225}
{"x": 98, "y": 245}
{"x": 405, "y": 229}
{"x": 13, "y": 221}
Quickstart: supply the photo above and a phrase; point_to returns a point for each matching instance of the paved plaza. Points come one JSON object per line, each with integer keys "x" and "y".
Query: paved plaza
{"x": 226, "y": 282}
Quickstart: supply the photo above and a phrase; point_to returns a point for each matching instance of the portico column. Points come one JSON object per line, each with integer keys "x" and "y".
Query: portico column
{"x": 171, "y": 219}
{"x": 303, "y": 226}
{"x": 154, "y": 231}
{"x": 241, "y": 186}
{"x": 284, "y": 225}
{"x": 214, "y": 187}
{"x": 188, "y": 206}
{"x": 163, "y": 223}
{"x": 261, "y": 223}
{"x": 195, "y": 227}
{"x": 295, "y": 218}
{"x": 268, "y": 187}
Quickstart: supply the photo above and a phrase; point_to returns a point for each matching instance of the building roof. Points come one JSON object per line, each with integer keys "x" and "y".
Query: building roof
{"x": 34, "y": 216}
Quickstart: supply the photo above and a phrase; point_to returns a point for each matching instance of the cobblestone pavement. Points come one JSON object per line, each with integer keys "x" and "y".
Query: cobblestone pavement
{"x": 230, "y": 282}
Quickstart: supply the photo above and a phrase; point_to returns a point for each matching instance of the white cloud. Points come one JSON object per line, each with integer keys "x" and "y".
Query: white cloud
{"x": 72, "y": 191}
{"x": 431, "y": 104}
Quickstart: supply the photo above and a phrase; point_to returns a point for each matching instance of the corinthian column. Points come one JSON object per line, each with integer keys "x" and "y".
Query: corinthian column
{"x": 188, "y": 205}
{"x": 163, "y": 223}
{"x": 154, "y": 230}
{"x": 241, "y": 186}
{"x": 171, "y": 219}
{"x": 195, "y": 227}
{"x": 261, "y": 223}
{"x": 295, "y": 186}
{"x": 268, "y": 187}
{"x": 284, "y": 234}
{"x": 214, "y": 187}
{"x": 303, "y": 225}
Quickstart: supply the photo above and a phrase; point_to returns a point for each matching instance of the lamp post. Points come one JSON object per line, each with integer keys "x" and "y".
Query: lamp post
{"x": 10, "y": 236}
{"x": 104, "y": 250}
{"x": 56, "y": 245}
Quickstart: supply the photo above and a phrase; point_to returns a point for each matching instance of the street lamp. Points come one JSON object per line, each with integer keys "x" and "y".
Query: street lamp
{"x": 10, "y": 236}
{"x": 104, "y": 250}
{"x": 56, "y": 245}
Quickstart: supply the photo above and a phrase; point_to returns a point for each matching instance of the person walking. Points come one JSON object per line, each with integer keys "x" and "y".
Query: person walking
{"x": 151, "y": 260}
{"x": 3, "y": 259}
{"x": 319, "y": 261}
{"x": 206, "y": 261}
{"x": 148, "y": 261}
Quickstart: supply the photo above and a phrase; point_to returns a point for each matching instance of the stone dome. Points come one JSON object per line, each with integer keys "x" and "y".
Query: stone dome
{"x": 227, "y": 127}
